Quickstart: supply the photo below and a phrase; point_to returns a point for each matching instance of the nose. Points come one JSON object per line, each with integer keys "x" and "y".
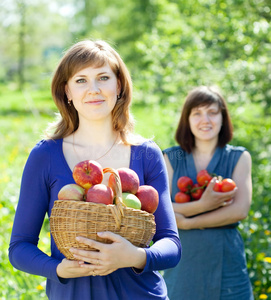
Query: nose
{"x": 93, "y": 87}
{"x": 205, "y": 117}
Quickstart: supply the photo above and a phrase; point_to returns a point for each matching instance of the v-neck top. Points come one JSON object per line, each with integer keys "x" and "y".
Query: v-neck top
{"x": 45, "y": 173}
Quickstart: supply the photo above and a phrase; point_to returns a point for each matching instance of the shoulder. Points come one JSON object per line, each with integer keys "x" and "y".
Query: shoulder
{"x": 45, "y": 145}
{"x": 235, "y": 149}
{"x": 236, "y": 152}
{"x": 174, "y": 149}
{"x": 147, "y": 147}
{"x": 175, "y": 154}
{"x": 44, "y": 148}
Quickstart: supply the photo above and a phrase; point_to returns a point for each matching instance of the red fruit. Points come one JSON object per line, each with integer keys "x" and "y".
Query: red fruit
{"x": 181, "y": 197}
{"x": 71, "y": 191}
{"x": 184, "y": 183}
{"x": 100, "y": 193}
{"x": 227, "y": 185}
{"x": 196, "y": 191}
{"x": 129, "y": 180}
{"x": 203, "y": 177}
{"x": 87, "y": 173}
{"x": 148, "y": 197}
{"x": 217, "y": 186}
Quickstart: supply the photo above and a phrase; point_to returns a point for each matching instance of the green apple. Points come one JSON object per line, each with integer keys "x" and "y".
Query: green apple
{"x": 130, "y": 200}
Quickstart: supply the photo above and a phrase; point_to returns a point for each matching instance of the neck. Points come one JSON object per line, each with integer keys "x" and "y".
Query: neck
{"x": 95, "y": 133}
{"x": 205, "y": 147}
{"x": 203, "y": 153}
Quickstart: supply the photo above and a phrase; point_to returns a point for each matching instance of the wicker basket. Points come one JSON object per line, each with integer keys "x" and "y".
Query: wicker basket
{"x": 70, "y": 219}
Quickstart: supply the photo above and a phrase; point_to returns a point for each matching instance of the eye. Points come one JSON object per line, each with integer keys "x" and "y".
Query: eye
{"x": 214, "y": 112}
{"x": 81, "y": 80}
{"x": 104, "y": 78}
{"x": 195, "y": 113}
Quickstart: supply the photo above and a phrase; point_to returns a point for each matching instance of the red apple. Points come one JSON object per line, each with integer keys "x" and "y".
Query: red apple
{"x": 88, "y": 173}
{"x": 100, "y": 193}
{"x": 129, "y": 180}
{"x": 148, "y": 197}
{"x": 71, "y": 192}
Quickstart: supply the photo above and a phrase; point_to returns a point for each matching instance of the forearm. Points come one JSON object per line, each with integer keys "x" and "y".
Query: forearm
{"x": 163, "y": 254}
{"x": 139, "y": 259}
{"x": 188, "y": 209}
{"x": 216, "y": 218}
{"x": 27, "y": 257}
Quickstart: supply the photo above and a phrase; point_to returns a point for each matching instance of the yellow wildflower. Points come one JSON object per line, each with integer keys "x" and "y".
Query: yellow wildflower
{"x": 40, "y": 287}
{"x": 267, "y": 259}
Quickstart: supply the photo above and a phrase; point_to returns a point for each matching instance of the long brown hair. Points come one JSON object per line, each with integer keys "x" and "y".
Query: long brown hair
{"x": 81, "y": 55}
{"x": 202, "y": 96}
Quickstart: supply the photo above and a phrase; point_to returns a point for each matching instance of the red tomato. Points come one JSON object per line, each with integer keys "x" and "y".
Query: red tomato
{"x": 203, "y": 177}
{"x": 184, "y": 183}
{"x": 196, "y": 191}
{"x": 181, "y": 197}
{"x": 227, "y": 185}
{"x": 217, "y": 186}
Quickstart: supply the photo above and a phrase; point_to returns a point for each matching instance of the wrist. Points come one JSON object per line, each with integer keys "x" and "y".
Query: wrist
{"x": 141, "y": 259}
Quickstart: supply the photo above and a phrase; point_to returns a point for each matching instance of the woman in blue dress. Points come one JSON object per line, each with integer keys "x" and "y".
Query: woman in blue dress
{"x": 213, "y": 264}
{"x": 92, "y": 89}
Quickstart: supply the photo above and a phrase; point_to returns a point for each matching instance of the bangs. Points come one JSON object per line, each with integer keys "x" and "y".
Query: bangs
{"x": 93, "y": 57}
{"x": 203, "y": 98}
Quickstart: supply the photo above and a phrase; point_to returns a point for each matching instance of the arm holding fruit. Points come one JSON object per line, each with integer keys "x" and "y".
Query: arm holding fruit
{"x": 230, "y": 213}
{"x": 209, "y": 200}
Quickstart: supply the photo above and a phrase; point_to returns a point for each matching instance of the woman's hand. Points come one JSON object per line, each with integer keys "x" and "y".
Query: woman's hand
{"x": 106, "y": 259}
{"x": 211, "y": 200}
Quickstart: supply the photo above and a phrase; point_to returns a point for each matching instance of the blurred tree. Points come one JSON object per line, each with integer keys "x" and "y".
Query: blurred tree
{"x": 34, "y": 34}
{"x": 21, "y": 42}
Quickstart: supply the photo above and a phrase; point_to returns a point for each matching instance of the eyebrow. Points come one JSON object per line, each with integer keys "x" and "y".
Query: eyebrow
{"x": 101, "y": 73}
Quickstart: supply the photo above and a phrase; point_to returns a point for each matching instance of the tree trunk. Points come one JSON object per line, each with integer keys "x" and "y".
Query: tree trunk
{"x": 21, "y": 43}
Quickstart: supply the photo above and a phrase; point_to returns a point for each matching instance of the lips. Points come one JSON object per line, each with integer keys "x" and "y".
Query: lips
{"x": 96, "y": 101}
{"x": 205, "y": 128}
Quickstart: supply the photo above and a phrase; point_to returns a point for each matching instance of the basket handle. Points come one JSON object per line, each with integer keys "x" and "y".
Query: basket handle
{"x": 117, "y": 210}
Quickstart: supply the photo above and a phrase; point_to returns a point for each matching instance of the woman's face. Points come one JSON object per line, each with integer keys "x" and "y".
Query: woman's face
{"x": 94, "y": 92}
{"x": 205, "y": 122}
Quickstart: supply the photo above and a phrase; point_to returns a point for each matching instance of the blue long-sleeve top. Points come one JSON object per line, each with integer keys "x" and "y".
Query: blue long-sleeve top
{"x": 45, "y": 173}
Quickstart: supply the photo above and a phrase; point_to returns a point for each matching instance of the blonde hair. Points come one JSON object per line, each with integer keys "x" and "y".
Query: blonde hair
{"x": 81, "y": 55}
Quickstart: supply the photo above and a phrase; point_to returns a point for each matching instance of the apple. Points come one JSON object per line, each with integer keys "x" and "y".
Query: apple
{"x": 148, "y": 197}
{"x": 71, "y": 191}
{"x": 100, "y": 193}
{"x": 87, "y": 173}
{"x": 129, "y": 180}
{"x": 131, "y": 200}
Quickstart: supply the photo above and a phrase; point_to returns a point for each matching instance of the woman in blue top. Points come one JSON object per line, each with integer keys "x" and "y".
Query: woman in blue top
{"x": 92, "y": 90}
{"x": 213, "y": 264}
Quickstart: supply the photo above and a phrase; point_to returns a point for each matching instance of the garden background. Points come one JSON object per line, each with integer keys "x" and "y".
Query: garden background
{"x": 170, "y": 47}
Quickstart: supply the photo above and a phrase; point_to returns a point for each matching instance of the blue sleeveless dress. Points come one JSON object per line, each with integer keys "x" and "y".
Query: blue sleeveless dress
{"x": 213, "y": 263}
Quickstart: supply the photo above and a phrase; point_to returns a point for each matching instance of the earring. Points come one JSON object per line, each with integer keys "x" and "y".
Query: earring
{"x": 70, "y": 102}
{"x": 118, "y": 97}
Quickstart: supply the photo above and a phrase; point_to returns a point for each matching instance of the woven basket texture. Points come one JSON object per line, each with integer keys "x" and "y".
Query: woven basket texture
{"x": 70, "y": 219}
